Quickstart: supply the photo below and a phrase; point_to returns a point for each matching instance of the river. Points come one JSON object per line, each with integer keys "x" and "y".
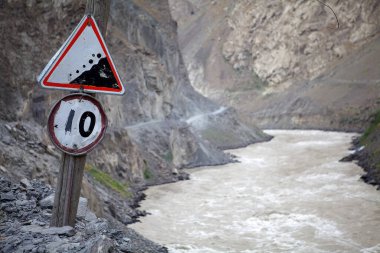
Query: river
{"x": 287, "y": 195}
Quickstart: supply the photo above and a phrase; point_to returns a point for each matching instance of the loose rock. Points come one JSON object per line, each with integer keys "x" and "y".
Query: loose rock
{"x": 47, "y": 202}
{"x": 24, "y": 225}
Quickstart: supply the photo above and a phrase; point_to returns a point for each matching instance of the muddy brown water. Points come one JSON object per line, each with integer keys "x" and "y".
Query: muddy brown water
{"x": 287, "y": 195}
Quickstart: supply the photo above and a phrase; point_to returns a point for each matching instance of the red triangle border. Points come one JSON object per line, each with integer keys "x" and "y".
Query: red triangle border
{"x": 89, "y": 20}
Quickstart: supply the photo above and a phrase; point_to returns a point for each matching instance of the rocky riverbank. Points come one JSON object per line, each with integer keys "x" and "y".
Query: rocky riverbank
{"x": 367, "y": 150}
{"x": 25, "y": 211}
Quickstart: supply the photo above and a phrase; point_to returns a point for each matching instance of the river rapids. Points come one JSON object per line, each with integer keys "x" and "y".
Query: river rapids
{"x": 288, "y": 195}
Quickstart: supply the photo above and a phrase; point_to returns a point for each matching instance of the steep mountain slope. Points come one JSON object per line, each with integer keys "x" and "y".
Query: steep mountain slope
{"x": 342, "y": 98}
{"x": 259, "y": 56}
{"x": 148, "y": 138}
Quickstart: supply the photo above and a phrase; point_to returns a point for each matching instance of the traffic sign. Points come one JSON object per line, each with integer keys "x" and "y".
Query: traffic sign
{"x": 83, "y": 63}
{"x": 77, "y": 123}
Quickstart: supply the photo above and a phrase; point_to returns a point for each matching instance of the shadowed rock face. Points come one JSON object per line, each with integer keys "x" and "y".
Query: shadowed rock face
{"x": 148, "y": 138}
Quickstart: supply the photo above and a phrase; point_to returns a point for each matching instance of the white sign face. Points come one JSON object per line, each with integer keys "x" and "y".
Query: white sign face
{"x": 77, "y": 123}
{"x": 83, "y": 62}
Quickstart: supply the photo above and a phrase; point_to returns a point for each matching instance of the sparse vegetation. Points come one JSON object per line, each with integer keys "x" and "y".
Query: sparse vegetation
{"x": 375, "y": 124}
{"x": 147, "y": 173}
{"x": 256, "y": 84}
{"x": 169, "y": 156}
{"x": 370, "y": 156}
{"x": 106, "y": 180}
{"x": 219, "y": 136}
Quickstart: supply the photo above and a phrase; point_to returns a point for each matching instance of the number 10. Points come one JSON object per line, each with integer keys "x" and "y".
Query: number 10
{"x": 82, "y": 131}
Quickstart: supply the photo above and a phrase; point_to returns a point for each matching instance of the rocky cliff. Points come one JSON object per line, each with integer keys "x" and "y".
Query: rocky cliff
{"x": 275, "y": 61}
{"x": 150, "y": 136}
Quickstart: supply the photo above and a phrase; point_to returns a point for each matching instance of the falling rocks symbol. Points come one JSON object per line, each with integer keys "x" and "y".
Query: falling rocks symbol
{"x": 83, "y": 63}
{"x": 100, "y": 73}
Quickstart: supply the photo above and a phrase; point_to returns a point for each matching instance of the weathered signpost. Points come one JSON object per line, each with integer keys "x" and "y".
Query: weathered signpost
{"x": 77, "y": 122}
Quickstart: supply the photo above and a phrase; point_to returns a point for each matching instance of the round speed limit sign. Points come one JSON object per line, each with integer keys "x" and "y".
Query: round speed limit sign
{"x": 77, "y": 123}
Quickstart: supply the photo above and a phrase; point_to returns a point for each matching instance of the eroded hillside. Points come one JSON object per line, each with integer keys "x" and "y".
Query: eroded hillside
{"x": 261, "y": 57}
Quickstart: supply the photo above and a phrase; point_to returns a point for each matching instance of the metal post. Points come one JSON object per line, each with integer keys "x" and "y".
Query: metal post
{"x": 70, "y": 175}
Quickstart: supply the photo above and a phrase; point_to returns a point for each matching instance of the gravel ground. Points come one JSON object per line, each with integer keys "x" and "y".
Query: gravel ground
{"x": 25, "y": 211}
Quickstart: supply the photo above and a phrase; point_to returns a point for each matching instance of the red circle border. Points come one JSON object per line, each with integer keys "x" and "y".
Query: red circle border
{"x": 88, "y": 148}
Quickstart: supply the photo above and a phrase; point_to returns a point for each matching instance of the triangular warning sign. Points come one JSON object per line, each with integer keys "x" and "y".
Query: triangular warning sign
{"x": 83, "y": 62}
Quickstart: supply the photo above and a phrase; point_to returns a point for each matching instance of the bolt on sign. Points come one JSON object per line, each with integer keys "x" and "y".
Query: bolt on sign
{"x": 83, "y": 63}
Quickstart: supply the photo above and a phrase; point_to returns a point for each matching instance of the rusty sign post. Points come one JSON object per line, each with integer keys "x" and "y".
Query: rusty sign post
{"x": 77, "y": 122}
